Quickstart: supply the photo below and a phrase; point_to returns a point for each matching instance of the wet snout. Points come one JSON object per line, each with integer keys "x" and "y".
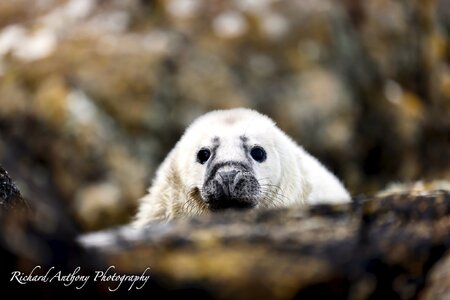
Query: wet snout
{"x": 228, "y": 181}
{"x": 230, "y": 186}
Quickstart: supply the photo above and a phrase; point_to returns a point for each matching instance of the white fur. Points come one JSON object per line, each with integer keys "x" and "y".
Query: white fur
{"x": 291, "y": 175}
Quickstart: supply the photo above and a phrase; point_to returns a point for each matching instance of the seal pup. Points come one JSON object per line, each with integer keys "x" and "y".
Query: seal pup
{"x": 240, "y": 159}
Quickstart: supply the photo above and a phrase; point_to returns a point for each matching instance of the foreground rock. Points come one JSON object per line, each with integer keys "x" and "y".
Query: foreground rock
{"x": 94, "y": 94}
{"x": 394, "y": 246}
{"x": 9, "y": 193}
{"x": 377, "y": 248}
{"x": 35, "y": 233}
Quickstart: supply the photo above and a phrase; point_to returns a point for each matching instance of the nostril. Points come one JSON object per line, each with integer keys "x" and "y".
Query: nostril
{"x": 226, "y": 180}
{"x": 231, "y": 189}
{"x": 227, "y": 177}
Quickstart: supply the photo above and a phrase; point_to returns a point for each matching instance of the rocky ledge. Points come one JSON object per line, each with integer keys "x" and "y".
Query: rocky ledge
{"x": 394, "y": 246}
{"x": 378, "y": 248}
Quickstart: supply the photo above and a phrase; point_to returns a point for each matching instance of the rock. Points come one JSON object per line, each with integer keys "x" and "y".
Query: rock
{"x": 438, "y": 283}
{"x": 9, "y": 193}
{"x": 97, "y": 93}
{"x": 375, "y": 248}
{"x": 39, "y": 236}
{"x": 33, "y": 231}
{"x": 93, "y": 95}
{"x": 391, "y": 246}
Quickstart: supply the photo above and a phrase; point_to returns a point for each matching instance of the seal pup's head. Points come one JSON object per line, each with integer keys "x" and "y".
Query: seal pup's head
{"x": 237, "y": 159}
{"x": 231, "y": 160}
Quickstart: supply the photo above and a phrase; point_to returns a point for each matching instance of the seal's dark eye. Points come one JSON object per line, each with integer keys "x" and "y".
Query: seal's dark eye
{"x": 203, "y": 155}
{"x": 258, "y": 154}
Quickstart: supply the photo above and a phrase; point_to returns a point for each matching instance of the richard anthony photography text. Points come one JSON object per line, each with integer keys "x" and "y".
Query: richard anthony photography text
{"x": 78, "y": 280}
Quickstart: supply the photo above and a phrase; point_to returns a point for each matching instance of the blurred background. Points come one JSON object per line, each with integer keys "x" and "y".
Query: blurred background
{"x": 94, "y": 93}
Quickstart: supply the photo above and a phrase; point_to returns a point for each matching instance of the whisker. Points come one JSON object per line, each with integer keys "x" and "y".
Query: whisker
{"x": 272, "y": 196}
{"x": 192, "y": 205}
{"x": 277, "y": 188}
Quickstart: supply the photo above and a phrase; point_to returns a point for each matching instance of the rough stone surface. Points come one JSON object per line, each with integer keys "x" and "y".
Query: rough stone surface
{"x": 391, "y": 246}
{"x": 438, "y": 282}
{"x": 9, "y": 193}
{"x": 376, "y": 248}
{"x": 93, "y": 94}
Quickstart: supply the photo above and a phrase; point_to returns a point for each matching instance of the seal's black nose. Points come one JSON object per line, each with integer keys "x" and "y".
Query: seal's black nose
{"x": 230, "y": 185}
{"x": 231, "y": 189}
{"x": 226, "y": 179}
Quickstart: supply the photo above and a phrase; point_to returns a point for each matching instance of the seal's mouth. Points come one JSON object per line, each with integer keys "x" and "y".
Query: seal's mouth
{"x": 230, "y": 185}
{"x": 231, "y": 204}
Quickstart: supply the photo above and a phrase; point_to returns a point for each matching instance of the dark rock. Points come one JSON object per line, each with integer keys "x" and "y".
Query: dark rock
{"x": 438, "y": 282}
{"x": 9, "y": 193}
{"x": 90, "y": 109}
{"x": 391, "y": 246}
{"x": 32, "y": 234}
{"x": 374, "y": 249}
{"x": 93, "y": 94}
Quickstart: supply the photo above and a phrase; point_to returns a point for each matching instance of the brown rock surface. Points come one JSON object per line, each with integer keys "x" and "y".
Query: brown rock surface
{"x": 376, "y": 249}
{"x": 392, "y": 246}
{"x": 9, "y": 193}
{"x": 94, "y": 93}
{"x": 438, "y": 283}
